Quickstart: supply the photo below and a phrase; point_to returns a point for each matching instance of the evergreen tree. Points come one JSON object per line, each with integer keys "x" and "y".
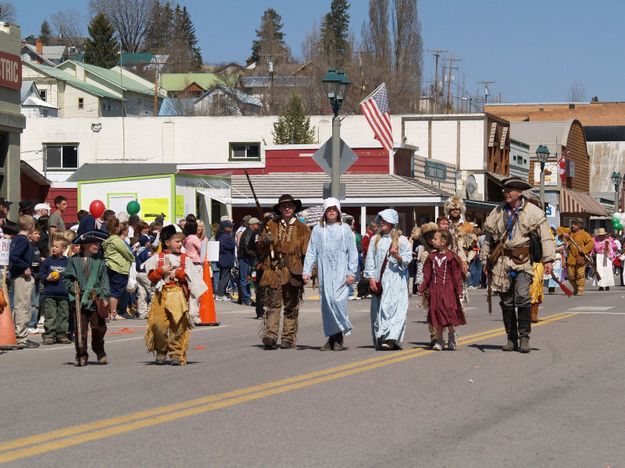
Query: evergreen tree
{"x": 269, "y": 44}
{"x": 187, "y": 30}
{"x": 293, "y": 125}
{"x": 335, "y": 33}
{"x": 101, "y": 47}
{"x": 45, "y": 33}
{"x": 159, "y": 33}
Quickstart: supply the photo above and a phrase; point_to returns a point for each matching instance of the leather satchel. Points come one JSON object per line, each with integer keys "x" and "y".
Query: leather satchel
{"x": 378, "y": 284}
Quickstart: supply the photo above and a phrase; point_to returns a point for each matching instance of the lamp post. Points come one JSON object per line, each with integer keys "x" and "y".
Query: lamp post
{"x": 336, "y": 84}
{"x": 616, "y": 180}
{"x": 542, "y": 154}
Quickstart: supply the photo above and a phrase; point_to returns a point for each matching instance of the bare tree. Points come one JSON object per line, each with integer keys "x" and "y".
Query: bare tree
{"x": 375, "y": 55}
{"x": 407, "y": 56}
{"x": 69, "y": 27}
{"x": 577, "y": 92}
{"x": 130, "y": 18}
{"x": 7, "y": 11}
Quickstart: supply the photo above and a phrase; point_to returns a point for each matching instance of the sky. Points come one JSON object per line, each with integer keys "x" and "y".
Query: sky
{"x": 534, "y": 50}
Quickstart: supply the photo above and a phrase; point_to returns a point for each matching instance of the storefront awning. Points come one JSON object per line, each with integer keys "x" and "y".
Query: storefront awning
{"x": 572, "y": 201}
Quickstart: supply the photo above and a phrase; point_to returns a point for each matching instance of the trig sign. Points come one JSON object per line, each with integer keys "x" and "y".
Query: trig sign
{"x": 4, "y": 251}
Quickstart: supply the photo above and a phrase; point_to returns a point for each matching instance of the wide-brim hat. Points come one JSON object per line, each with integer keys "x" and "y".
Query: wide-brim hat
{"x": 90, "y": 236}
{"x": 286, "y": 198}
{"x": 601, "y": 232}
{"x": 516, "y": 183}
{"x": 27, "y": 205}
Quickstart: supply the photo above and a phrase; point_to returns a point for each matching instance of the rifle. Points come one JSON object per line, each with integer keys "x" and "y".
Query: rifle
{"x": 564, "y": 289}
{"x": 78, "y": 341}
{"x": 588, "y": 258}
{"x": 261, "y": 217}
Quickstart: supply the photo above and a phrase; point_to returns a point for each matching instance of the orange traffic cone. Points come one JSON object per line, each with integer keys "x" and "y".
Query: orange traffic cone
{"x": 208, "y": 314}
{"x": 7, "y": 330}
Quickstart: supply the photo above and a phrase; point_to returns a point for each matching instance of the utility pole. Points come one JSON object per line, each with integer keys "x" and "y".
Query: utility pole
{"x": 486, "y": 84}
{"x": 450, "y": 67}
{"x": 437, "y": 54}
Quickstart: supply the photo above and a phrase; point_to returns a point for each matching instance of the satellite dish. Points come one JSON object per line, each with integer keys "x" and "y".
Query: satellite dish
{"x": 471, "y": 185}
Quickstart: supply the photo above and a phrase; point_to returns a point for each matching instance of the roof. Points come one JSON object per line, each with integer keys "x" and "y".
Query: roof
{"x": 30, "y": 96}
{"x": 180, "y": 81}
{"x": 33, "y": 49}
{"x": 114, "y": 77}
{"x": 54, "y": 52}
{"x": 281, "y": 81}
{"x": 572, "y": 201}
{"x": 70, "y": 79}
{"x": 236, "y": 93}
{"x": 535, "y": 133}
{"x": 382, "y": 189}
{"x": 175, "y": 106}
{"x": 120, "y": 170}
{"x": 128, "y": 59}
{"x": 33, "y": 174}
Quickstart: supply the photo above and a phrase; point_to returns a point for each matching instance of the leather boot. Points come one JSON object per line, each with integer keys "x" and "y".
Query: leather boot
{"x": 509, "y": 322}
{"x": 329, "y": 344}
{"x": 338, "y": 342}
{"x": 534, "y": 313}
{"x": 525, "y": 328}
{"x": 525, "y": 345}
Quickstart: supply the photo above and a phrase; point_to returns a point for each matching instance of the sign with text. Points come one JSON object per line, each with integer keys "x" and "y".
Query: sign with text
{"x": 5, "y": 244}
{"x": 551, "y": 174}
{"x": 10, "y": 71}
{"x": 435, "y": 170}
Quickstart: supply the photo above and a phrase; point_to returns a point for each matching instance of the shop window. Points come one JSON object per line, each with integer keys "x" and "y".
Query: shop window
{"x": 244, "y": 151}
{"x": 61, "y": 157}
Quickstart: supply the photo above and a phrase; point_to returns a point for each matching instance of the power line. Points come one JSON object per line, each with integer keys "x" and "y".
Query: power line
{"x": 437, "y": 54}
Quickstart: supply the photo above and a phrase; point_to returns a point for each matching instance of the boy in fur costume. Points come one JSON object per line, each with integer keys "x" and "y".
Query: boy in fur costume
{"x": 173, "y": 276}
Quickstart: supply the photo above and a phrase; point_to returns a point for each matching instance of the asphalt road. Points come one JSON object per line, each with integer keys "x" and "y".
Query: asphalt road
{"x": 238, "y": 405}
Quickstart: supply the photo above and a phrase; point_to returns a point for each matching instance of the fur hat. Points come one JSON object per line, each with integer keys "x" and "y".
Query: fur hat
{"x": 455, "y": 202}
{"x": 579, "y": 221}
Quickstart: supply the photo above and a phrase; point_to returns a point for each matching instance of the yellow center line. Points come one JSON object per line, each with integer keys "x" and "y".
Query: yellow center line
{"x": 75, "y": 435}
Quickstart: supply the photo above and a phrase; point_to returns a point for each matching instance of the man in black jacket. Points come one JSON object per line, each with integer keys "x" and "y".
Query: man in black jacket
{"x": 247, "y": 259}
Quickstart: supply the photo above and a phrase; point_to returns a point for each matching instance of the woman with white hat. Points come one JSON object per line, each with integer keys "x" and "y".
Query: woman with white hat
{"x": 605, "y": 250}
{"x": 332, "y": 248}
{"x": 388, "y": 258}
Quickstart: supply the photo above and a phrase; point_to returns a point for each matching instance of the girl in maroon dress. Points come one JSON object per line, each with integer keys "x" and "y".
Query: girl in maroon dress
{"x": 442, "y": 275}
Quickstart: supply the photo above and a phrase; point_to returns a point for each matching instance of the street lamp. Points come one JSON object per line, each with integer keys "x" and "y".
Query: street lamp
{"x": 616, "y": 180}
{"x": 336, "y": 85}
{"x": 542, "y": 154}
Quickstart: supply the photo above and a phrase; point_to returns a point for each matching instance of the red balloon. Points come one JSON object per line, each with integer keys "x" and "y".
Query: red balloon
{"x": 96, "y": 208}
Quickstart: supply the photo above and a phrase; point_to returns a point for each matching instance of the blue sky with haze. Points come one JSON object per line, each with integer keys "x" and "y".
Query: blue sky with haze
{"x": 533, "y": 49}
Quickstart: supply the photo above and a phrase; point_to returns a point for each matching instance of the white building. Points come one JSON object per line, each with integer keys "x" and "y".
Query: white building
{"x": 197, "y": 142}
{"x": 519, "y": 159}
{"x": 477, "y": 145}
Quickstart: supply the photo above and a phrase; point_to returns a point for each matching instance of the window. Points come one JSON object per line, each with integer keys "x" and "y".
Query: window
{"x": 61, "y": 156}
{"x": 81, "y": 103}
{"x": 244, "y": 150}
{"x": 43, "y": 94}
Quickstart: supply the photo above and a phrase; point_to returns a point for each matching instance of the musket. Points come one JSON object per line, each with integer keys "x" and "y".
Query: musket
{"x": 78, "y": 327}
{"x": 261, "y": 217}
{"x": 587, "y": 257}
{"x": 489, "y": 290}
{"x": 564, "y": 289}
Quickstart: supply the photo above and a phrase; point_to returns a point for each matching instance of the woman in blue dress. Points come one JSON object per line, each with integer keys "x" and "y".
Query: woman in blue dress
{"x": 388, "y": 258}
{"x": 332, "y": 248}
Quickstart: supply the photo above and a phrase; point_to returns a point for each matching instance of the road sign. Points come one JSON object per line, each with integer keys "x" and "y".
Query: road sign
{"x": 323, "y": 157}
{"x": 328, "y": 193}
{"x": 435, "y": 170}
{"x": 4, "y": 251}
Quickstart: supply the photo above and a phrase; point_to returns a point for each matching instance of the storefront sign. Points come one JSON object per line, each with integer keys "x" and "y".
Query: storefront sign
{"x": 436, "y": 171}
{"x": 551, "y": 174}
{"x": 10, "y": 71}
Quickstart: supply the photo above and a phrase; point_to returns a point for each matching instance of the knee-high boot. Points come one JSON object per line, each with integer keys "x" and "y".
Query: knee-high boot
{"x": 534, "y": 313}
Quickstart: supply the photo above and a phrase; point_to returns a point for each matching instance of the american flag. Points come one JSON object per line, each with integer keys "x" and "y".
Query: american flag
{"x": 376, "y": 111}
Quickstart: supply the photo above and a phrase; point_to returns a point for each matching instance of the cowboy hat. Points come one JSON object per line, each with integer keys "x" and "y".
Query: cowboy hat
{"x": 286, "y": 198}
{"x": 516, "y": 183}
{"x": 90, "y": 236}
